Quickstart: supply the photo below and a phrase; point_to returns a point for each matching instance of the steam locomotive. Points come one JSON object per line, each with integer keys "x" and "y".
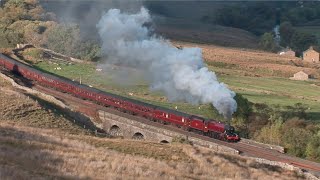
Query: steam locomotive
{"x": 185, "y": 121}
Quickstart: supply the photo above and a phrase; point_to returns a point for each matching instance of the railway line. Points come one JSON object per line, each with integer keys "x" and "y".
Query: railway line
{"x": 89, "y": 108}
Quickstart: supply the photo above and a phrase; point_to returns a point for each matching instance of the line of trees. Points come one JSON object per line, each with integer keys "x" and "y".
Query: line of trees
{"x": 290, "y": 37}
{"x": 260, "y": 17}
{"x": 298, "y": 41}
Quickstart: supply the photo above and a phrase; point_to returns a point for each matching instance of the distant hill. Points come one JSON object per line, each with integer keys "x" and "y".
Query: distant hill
{"x": 187, "y": 24}
{"x": 197, "y": 32}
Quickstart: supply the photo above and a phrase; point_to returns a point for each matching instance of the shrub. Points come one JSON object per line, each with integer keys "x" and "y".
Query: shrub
{"x": 267, "y": 42}
{"x": 66, "y": 39}
{"x": 296, "y": 140}
{"x": 313, "y": 148}
{"x": 271, "y": 133}
{"x": 244, "y": 107}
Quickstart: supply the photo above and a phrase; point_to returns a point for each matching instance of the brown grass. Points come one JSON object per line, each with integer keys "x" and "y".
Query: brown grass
{"x": 20, "y": 109}
{"x": 36, "y": 143}
{"x": 259, "y": 63}
{"x": 31, "y": 152}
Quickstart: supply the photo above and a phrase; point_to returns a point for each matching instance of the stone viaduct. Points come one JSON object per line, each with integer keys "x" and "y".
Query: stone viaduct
{"x": 117, "y": 125}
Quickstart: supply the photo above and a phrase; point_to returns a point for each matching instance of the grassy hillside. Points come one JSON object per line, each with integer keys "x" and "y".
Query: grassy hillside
{"x": 259, "y": 76}
{"x": 38, "y": 143}
{"x": 194, "y": 31}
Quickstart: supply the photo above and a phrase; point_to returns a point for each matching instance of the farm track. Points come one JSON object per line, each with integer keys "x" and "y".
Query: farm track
{"x": 91, "y": 109}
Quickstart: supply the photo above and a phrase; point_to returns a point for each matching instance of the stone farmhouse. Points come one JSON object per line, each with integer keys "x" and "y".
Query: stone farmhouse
{"x": 312, "y": 55}
{"x": 302, "y": 76}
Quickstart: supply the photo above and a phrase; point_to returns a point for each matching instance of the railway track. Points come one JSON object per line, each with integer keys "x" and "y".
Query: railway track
{"x": 89, "y": 108}
{"x": 245, "y": 149}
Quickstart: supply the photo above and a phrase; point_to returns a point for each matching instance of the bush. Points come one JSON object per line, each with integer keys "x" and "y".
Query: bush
{"x": 296, "y": 140}
{"x": 33, "y": 55}
{"x": 89, "y": 51}
{"x": 66, "y": 39}
{"x": 271, "y": 133}
{"x": 267, "y": 42}
{"x": 10, "y": 38}
{"x": 313, "y": 148}
{"x": 241, "y": 116}
{"x": 244, "y": 107}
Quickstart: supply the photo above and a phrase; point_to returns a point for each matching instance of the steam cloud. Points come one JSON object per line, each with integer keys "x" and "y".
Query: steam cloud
{"x": 180, "y": 74}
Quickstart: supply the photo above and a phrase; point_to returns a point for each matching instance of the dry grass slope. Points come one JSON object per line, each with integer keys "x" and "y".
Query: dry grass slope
{"x": 31, "y": 152}
{"x": 36, "y": 143}
{"x": 256, "y": 62}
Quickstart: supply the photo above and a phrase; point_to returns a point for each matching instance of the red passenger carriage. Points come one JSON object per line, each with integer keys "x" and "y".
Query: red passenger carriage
{"x": 167, "y": 116}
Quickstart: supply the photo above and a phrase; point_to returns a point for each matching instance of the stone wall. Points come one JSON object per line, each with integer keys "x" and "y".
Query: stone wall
{"x": 287, "y": 166}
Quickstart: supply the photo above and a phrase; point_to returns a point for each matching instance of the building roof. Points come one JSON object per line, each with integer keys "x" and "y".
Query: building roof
{"x": 305, "y": 72}
{"x": 315, "y": 48}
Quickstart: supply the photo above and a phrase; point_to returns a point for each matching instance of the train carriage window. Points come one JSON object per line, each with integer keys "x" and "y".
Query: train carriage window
{"x": 167, "y": 116}
{"x": 182, "y": 119}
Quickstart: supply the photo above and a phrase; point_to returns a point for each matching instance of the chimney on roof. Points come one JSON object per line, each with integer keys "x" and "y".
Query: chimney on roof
{"x": 311, "y": 48}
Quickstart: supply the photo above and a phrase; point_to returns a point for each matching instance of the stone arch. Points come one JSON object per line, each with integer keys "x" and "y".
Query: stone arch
{"x": 115, "y": 131}
{"x": 164, "y": 142}
{"x": 138, "y": 136}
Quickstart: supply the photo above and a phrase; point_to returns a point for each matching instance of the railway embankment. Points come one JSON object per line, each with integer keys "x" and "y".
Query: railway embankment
{"x": 78, "y": 117}
{"x": 141, "y": 128}
{"x": 128, "y": 126}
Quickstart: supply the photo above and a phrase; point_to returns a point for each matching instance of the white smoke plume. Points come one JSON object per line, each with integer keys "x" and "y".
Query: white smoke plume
{"x": 180, "y": 74}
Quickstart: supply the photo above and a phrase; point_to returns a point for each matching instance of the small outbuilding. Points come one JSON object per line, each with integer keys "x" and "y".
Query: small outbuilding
{"x": 312, "y": 55}
{"x": 302, "y": 76}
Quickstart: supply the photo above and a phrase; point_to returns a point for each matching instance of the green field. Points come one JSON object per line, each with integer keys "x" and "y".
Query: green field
{"x": 268, "y": 90}
{"x": 277, "y": 91}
